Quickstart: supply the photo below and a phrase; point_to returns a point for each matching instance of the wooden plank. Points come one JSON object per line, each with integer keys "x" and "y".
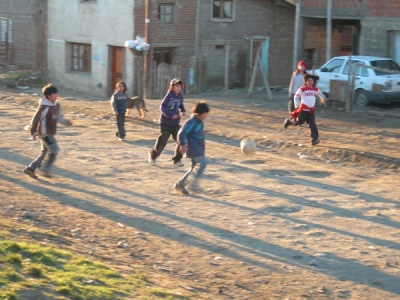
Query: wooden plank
{"x": 258, "y": 64}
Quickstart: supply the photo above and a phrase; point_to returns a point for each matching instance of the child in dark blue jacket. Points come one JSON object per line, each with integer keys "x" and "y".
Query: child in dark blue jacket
{"x": 169, "y": 122}
{"x": 119, "y": 101}
{"x": 191, "y": 142}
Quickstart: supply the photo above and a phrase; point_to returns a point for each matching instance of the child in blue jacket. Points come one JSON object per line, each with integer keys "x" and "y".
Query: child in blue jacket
{"x": 169, "y": 122}
{"x": 191, "y": 142}
{"x": 119, "y": 101}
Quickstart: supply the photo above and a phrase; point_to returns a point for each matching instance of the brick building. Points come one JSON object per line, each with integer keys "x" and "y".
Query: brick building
{"x": 359, "y": 27}
{"x": 220, "y": 39}
{"x": 23, "y": 26}
{"x": 215, "y": 41}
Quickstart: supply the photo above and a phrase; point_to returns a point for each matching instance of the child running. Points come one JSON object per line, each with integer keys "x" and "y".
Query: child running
{"x": 44, "y": 126}
{"x": 305, "y": 99}
{"x": 191, "y": 142}
{"x": 169, "y": 122}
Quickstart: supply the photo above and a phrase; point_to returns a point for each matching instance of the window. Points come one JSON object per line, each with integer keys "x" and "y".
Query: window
{"x": 222, "y": 9}
{"x": 88, "y": 1}
{"x": 360, "y": 71}
{"x": 384, "y": 64}
{"x": 165, "y": 13}
{"x": 333, "y": 66}
{"x": 81, "y": 57}
{"x": 5, "y": 30}
{"x": 163, "y": 55}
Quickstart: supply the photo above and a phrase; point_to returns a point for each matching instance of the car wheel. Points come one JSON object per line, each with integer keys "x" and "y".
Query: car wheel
{"x": 361, "y": 98}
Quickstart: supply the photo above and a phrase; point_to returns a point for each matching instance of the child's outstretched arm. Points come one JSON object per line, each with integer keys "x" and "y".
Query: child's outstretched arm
{"x": 37, "y": 117}
{"x": 186, "y": 129}
{"x": 182, "y": 108}
{"x": 63, "y": 120}
{"x": 297, "y": 98}
{"x": 322, "y": 97}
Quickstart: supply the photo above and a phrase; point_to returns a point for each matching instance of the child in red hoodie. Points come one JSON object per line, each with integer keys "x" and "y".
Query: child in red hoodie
{"x": 305, "y": 99}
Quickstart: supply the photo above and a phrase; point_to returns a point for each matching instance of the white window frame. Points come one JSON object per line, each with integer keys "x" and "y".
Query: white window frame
{"x": 223, "y": 19}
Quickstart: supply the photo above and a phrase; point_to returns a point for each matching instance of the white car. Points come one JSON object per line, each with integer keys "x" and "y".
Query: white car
{"x": 378, "y": 81}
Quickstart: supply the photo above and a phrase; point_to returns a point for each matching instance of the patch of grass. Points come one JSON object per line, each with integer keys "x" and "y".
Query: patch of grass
{"x": 166, "y": 295}
{"x": 12, "y": 276}
{"x": 14, "y": 259}
{"x": 10, "y": 296}
{"x": 11, "y": 247}
{"x": 35, "y": 271}
{"x": 59, "y": 274}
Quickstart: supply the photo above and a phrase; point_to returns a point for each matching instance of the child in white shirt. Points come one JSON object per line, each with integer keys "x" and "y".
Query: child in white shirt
{"x": 305, "y": 99}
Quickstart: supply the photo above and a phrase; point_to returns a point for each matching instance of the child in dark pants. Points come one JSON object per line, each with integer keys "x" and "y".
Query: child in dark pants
{"x": 118, "y": 102}
{"x": 191, "y": 142}
{"x": 169, "y": 122}
{"x": 44, "y": 126}
{"x": 305, "y": 99}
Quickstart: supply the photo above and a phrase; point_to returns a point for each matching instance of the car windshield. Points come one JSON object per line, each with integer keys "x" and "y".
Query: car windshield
{"x": 385, "y": 64}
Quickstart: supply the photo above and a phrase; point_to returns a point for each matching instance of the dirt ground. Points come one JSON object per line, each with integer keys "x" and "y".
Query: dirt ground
{"x": 292, "y": 221}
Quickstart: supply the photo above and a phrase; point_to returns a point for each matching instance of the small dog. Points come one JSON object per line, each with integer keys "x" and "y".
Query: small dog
{"x": 140, "y": 105}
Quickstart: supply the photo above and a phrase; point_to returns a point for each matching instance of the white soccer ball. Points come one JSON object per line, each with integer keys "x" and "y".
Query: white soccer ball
{"x": 248, "y": 146}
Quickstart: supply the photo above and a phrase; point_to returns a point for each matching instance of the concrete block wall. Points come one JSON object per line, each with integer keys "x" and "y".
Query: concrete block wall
{"x": 375, "y": 36}
{"x": 29, "y": 19}
{"x": 378, "y": 20}
{"x": 335, "y": 4}
{"x": 340, "y": 8}
{"x": 252, "y": 18}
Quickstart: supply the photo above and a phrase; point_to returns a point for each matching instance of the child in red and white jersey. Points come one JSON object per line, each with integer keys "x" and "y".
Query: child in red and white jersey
{"x": 305, "y": 99}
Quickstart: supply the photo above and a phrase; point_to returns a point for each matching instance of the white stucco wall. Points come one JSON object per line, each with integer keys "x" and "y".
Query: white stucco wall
{"x": 101, "y": 24}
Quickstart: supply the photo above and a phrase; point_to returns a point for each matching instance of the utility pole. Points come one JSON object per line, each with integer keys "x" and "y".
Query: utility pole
{"x": 149, "y": 56}
{"x": 328, "y": 29}
{"x": 296, "y": 34}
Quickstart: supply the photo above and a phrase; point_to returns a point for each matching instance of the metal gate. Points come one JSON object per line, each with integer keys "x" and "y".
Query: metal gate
{"x": 22, "y": 44}
{"x": 5, "y": 39}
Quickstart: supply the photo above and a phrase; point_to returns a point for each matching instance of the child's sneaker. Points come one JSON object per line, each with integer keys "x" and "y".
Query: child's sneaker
{"x": 286, "y": 123}
{"x": 30, "y": 172}
{"x": 178, "y": 164}
{"x": 315, "y": 142}
{"x": 181, "y": 188}
{"x": 150, "y": 160}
